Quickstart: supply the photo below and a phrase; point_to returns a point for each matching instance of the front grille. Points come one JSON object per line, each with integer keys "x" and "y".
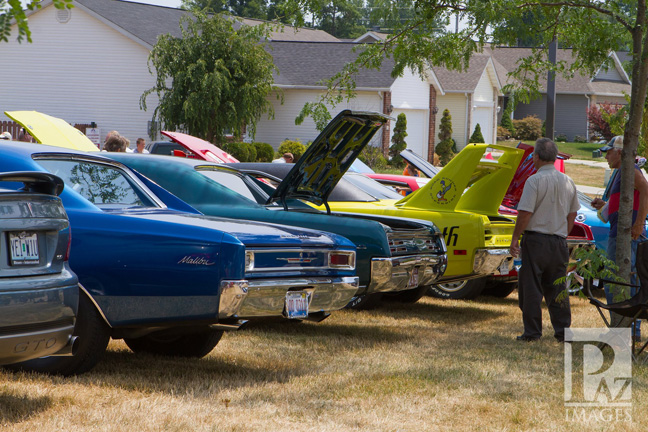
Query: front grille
{"x": 36, "y": 327}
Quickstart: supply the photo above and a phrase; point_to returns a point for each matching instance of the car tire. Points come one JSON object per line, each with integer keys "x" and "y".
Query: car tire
{"x": 408, "y": 296}
{"x": 192, "y": 345}
{"x": 365, "y": 302}
{"x": 466, "y": 289}
{"x": 93, "y": 334}
{"x": 500, "y": 289}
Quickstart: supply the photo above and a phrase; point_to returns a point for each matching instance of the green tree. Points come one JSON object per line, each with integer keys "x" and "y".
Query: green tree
{"x": 477, "y": 136}
{"x": 341, "y": 18}
{"x": 11, "y": 10}
{"x": 398, "y": 140}
{"x": 212, "y": 79}
{"x": 507, "y": 122}
{"x": 591, "y": 28}
{"x": 444, "y": 149}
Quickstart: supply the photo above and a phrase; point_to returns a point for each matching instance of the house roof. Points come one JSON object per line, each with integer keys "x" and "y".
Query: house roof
{"x": 147, "y": 22}
{"x": 506, "y": 58}
{"x": 307, "y": 64}
{"x": 466, "y": 81}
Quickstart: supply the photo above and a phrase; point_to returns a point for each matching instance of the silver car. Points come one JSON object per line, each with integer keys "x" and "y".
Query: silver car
{"x": 38, "y": 293}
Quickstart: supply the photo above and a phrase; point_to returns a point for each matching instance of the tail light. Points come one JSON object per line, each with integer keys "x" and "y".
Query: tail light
{"x": 342, "y": 260}
{"x": 69, "y": 245}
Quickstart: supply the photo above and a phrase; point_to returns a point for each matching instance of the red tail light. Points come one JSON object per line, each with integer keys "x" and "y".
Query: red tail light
{"x": 342, "y": 260}
{"x": 67, "y": 251}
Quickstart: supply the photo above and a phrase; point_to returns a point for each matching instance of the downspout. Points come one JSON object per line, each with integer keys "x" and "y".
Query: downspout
{"x": 587, "y": 118}
{"x": 467, "y": 133}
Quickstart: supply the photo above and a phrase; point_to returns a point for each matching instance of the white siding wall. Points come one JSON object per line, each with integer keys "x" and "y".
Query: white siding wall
{"x": 81, "y": 71}
{"x": 612, "y": 74}
{"x": 417, "y": 130}
{"x": 609, "y": 99}
{"x": 410, "y": 92}
{"x": 456, "y": 103}
{"x": 283, "y": 126}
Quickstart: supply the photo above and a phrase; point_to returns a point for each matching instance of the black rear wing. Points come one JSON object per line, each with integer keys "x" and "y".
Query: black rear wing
{"x": 35, "y": 181}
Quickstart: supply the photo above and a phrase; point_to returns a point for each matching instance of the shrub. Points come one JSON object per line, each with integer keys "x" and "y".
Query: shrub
{"x": 528, "y": 129}
{"x": 252, "y": 153}
{"x": 373, "y": 157}
{"x": 239, "y": 150}
{"x": 398, "y": 141}
{"x": 561, "y": 138}
{"x": 264, "y": 152}
{"x": 503, "y": 133}
{"x": 444, "y": 150}
{"x": 477, "y": 136}
{"x": 598, "y": 120}
{"x": 580, "y": 139}
{"x": 295, "y": 147}
{"x": 506, "y": 121}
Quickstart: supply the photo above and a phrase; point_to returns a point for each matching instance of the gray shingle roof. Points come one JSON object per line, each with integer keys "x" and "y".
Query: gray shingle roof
{"x": 146, "y": 22}
{"x": 466, "y": 81}
{"x": 506, "y": 58}
{"x": 308, "y": 63}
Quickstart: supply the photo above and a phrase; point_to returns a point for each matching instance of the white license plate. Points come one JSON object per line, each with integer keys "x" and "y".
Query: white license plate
{"x": 297, "y": 304}
{"x": 414, "y": 278}
{"x": 504, "y": 268}
{"x": 23, "y": 248}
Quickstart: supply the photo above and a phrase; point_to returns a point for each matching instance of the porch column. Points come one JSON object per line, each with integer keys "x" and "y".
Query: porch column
{"x": 387, "y": 109}
{"x": 432, "y": 124}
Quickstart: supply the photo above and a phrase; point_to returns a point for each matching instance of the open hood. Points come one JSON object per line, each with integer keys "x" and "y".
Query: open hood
{"x": 321, "y": 167}
{"x": 52, "y": 130}
{"x": 524, "y": 171}
{"x": 469, "y": 182}
{"x": 200, "y": 148}
{"x": 421, "y": 164}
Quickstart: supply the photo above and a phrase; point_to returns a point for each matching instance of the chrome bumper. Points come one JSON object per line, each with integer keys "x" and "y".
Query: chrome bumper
{"x": 394, "y": 274}
{"x": 488, "y": 261}
{"x": 267, "y": 298}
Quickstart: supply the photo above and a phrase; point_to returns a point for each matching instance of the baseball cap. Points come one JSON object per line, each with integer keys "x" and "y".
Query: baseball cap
{"x": 615, "y": 143}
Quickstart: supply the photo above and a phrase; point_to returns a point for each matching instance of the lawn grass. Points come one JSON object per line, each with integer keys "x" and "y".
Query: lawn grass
{"x": 433, "y": 366}
{"x": 577, "y": 150}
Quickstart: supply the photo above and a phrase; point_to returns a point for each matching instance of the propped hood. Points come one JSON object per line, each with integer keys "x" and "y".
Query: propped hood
{"x": 52, "y": 130}
{"x": 201, "y": 148}
{"x": 321, "y": 167}
{"x": 421, "y": 164}
{"x": 468, "y": 182}
{"x": 526, "y": 170}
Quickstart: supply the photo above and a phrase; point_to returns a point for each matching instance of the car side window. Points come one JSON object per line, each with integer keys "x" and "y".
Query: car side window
{"x": 232, "y": 182}
{"x": 100, "y": 184}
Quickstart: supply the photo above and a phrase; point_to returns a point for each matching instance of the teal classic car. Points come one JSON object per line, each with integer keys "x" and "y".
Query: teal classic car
{"x": 397, "y": 258}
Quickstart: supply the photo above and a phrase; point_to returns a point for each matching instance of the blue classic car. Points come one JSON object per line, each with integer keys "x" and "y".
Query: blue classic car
{"x": 396, "y": 256}
{"x": 38, "y": 292}
{"x": 168, "y": 281}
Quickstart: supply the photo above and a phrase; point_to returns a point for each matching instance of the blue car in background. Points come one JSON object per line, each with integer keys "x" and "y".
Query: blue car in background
{"x": 38, "y": 292}
{"x": 168, "y": 280}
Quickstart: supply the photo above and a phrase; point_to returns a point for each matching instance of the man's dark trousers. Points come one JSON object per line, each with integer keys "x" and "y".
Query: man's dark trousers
{"x": 544, "y": 259}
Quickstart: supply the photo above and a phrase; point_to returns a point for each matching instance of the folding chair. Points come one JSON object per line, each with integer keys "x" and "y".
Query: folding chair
{"x": 634, "y": 308}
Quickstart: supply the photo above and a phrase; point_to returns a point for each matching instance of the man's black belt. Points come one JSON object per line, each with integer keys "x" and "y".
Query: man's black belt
{"x": 541, "y": 234}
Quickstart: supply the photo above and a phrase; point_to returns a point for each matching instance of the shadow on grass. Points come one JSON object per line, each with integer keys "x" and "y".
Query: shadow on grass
{"x": 19, "y": 408}
{"x": 445, "y": 310}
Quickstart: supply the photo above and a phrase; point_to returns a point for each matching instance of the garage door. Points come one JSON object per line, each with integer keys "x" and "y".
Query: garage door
{"x": 483, "y": 116}
{"x": 417, "y": 130}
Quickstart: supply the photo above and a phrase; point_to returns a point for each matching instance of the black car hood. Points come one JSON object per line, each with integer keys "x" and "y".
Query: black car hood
{"x": 320, "y": 168}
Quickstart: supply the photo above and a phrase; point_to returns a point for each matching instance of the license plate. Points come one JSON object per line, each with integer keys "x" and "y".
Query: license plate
{"x": 297, "y": 304}
{"x": 414, "y": 278}
{"x": 504, "y": 268}
{"x": 23, "y": 248}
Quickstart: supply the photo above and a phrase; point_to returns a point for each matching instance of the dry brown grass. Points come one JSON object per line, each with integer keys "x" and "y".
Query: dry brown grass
{"x": 433, "y": 366}
{"x": 586, "y": 175}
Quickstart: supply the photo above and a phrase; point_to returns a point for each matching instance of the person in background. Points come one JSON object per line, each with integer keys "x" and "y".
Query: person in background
{"x": 410, "y": 170}
{"x": 108, "y": 136}
{"x": 6, "y": 136}
{"x": 140, "y": 146}
{"x": 24, "y": 136}
{"x": 288, "y": 157}
{"x": 639, "y": 211}
{"x": 546, "y": 213}
{"x": 115, "y": 143}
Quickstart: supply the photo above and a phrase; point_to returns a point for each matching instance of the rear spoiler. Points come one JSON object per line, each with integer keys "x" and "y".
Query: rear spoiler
{"x": 35, "y": 181}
